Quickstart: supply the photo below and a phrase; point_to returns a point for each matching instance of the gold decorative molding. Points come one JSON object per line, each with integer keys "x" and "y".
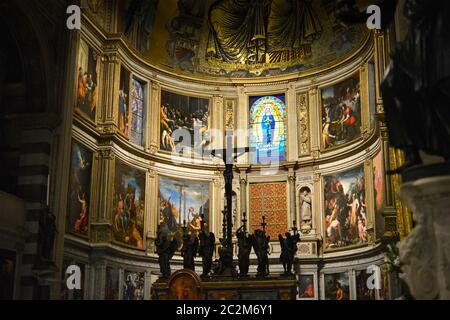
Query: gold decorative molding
{"x": 303, "y": 124}
{"x": 230, "y": 113}
{"x": 404, "y": 216}
{"x": 107, "y": 154}
{"x": 316, "y": 177}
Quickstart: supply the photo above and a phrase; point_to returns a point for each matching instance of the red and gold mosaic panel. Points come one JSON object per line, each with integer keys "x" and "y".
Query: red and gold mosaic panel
{"x": 269, "y": 199}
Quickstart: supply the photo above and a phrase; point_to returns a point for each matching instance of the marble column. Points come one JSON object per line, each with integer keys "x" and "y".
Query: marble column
{"x": 425, "y": 252}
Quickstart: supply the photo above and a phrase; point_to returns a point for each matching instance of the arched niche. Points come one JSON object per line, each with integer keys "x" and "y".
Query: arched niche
{"x": 305, "y": 208}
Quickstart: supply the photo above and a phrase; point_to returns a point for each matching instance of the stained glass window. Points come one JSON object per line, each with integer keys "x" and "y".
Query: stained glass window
{"x": 137, "y": 112}
{"x": 268, "y": 128}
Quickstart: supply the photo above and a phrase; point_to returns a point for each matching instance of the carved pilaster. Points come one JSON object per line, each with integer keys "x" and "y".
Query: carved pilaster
{"x": 230, "y": 114}
{"x": 217, "y": 126}
{"x": 365, "y": 101}
{"x": 304, "y": 143}
{"x": 381, "y": 59}
{"x": 292, "y": 200}
{"x": 153, "y": 120}
{"x": 101, "y": 226}
{"x": 242, "y": 120}
{"x": 151, "y": 212}
{"x": 369, "y": 200}
{"x": 315, "y": 118}
{"x": 110, "y": 84}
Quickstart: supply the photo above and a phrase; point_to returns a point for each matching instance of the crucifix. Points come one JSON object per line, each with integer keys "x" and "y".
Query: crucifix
{"x": 228, "y": 156}
{"x": 181, "y": 188}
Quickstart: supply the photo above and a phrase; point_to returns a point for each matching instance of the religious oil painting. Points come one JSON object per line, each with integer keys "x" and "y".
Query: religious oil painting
{"x": 79, "y": 193}
{"x": 124, "y": 99}
{"x": 133, "y": 285}
{"x": 268, "y": 128}
{"x": 362, "y": 289}
{"x": 129, "y": 206}
{"x": 306, "y": 286}
{"x": 112, "y": 284}
{"x": 378, "y": 186}
{"x": 7, "y": 274}
{"x": 87, "y": 83}
{"x": 182, "y": 203}
{"x": 184, "y": 123}
{"x": 341, "y": 113}
{"x": 345, "y": 209}
{"x": 337, "y": 286}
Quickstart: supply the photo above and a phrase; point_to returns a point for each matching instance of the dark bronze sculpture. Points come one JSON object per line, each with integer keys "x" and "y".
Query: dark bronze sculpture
{"x": 224, "y": 265}
{"x": 261, "y": 247}
{"x": 47, "y": 224}
{"x": 416, "y": 89}
{"x": 245, "y": 247}
{"x": 206, "y": 249}
{"x": 165, "y": 249}
{"x": 189, "y": 250}
{"x": 288, "y": 250}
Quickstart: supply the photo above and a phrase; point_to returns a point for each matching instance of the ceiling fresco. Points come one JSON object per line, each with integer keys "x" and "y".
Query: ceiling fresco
{"x": 239, "y": 38}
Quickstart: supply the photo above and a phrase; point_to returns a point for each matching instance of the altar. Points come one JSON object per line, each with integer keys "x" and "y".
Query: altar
{"x": 187, "y": 285}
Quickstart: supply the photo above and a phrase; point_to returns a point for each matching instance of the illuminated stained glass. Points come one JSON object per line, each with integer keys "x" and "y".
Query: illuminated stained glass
{"x": 137, "y": 112}
{"x": 268, "y": 128}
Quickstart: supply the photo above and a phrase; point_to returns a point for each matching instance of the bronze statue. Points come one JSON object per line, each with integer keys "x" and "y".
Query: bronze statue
{"x": 206, "y": 251}
{"x": 47, "y": 236}
{"x": 224, "y": 265}
{"x": 261, "y": 247}
{"x": 189, "y": 251}
{"x": 416, "y": 89}
{"x": 288, "y": 250}
{"x": 165, "y": 250}
{"x": 245, "y": 247}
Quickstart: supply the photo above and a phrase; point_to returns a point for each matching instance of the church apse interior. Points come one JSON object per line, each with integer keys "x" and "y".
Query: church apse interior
{"x": 221, "y": 150}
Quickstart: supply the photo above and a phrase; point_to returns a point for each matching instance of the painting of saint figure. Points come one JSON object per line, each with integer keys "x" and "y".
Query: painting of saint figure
{"x": 268, "y": 128}
{"x": 341, "y": 113}
{"x": 337, "y": 286}
{"x": 129, "y": 206}
{"x": 345, "y": 209}
{"x": 306, "y": 286}
{"x": 87, "y": 83}
{"x": 124, "y": 98}
{"x": 79, "y": 189}
{"x": 182, "y": 202}
{"x": 133, "y": 285}
{"x": 378, "y": 185}
{"x": 184, "y": 121}
{"x": 362, "y": 290}
{"x": 112, "y": 284}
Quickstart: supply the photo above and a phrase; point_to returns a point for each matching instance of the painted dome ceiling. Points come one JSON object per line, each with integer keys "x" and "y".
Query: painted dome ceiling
{"x": 238, "y": 38}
